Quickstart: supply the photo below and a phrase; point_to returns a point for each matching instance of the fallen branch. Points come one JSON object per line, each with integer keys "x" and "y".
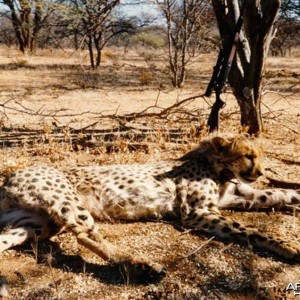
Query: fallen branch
{"x": 145, "y": 114}
{"x": 42, "y": 112}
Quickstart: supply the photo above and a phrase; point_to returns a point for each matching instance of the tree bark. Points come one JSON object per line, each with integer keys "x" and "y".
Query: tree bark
{"x": 97, "y": 42}
{"x": 246, "y": 73}
{"x": 91, "y": 52}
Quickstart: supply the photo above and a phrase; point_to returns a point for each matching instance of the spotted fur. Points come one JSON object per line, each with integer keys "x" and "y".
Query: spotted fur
{"x": 41, "y": 200}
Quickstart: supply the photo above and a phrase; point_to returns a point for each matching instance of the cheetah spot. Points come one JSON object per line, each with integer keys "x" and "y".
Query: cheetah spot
{"x": 64, "y": 210}
{"x": 215, "y": 221}
{"x": 83, "y": 217}
{"x": 263, "y": 198}
{"x": 226, "y": 229}
{"x": 236, "y": 225}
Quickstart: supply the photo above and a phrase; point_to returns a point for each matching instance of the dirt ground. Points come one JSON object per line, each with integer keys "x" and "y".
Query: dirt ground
{"x": 55, "y": 89}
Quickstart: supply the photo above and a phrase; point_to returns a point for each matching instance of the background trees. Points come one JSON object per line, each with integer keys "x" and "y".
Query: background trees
{"x": 28, "y": 18}
{"x": 287, "y": 28}
{"x": 95, "y": 22}
{"x": 187, "y": 22}
{"x": 184, "y": 27}
{"x": 188, "y": 26}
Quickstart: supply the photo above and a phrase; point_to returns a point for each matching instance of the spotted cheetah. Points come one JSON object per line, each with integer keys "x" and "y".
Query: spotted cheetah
{"x": 41, "y": 201}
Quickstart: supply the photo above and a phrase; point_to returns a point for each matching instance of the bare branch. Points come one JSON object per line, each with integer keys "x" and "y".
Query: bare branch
{"x": 163, "y": 112}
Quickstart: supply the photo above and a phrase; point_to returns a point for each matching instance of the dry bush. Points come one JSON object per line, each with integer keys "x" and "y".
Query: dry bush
{"x": 108, "y": 54}
{"x": 53, "y": 151}
{"x": 296, "y": 52}
{"x": 146, "y": 77}
{"x": 149, "y": 56}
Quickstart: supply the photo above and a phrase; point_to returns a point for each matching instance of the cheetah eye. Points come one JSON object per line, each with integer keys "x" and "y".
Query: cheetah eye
{"x": 249, "y": 156}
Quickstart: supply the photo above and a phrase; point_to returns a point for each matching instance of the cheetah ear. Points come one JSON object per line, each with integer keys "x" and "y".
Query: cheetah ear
{"x": 216, "y": 145}
{"x": 220, "y": 144}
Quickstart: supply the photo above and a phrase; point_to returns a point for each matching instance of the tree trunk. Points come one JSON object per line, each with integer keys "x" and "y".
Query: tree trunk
{"x": 97, "y": 42}
{"x": 179, "y": 32}
{"x": 98, "y": 57}
{"x": 26, "y": 24}
{"x": 246, "y": 73}
{"x": 76, "y": 40}
{"x": 16, "y": 25}
{"x": 27, "y": 19}
{"x": 91, "y": 53}
{"x": 37, "y": 26}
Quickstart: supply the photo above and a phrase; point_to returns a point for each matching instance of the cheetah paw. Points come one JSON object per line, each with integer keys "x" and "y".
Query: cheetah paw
{"x": 290, "y": 252}
{"x": 144, "y": 272}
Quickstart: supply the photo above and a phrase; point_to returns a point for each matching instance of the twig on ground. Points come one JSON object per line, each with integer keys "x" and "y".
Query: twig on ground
{"x": 199, "y": 248}
{"x": 225, "y": 248}
{"x": 186, "y": 231}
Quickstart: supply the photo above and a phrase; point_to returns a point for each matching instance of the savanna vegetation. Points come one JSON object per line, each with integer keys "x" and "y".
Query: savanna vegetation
{"x": 101, "y": 82}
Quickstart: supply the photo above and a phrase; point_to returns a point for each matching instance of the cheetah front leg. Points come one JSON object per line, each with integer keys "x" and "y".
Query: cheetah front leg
{"x": 97, "y": 244}
{"x": 215, "y": 224}
{"x": 81, "y": 223}
{"x": 243, "y": 196}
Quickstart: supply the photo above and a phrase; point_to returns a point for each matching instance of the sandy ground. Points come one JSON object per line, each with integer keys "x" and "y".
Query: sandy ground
{"x": 55, "y": 84}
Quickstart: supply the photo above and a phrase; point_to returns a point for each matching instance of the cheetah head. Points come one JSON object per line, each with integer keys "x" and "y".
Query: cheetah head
{"x": 234, "y": 157}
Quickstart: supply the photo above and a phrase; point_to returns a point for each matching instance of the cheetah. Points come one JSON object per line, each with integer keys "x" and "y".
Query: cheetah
{"x": 42, "y": 201}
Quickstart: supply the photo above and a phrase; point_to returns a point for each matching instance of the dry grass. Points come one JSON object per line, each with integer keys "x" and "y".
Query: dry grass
{"x": 55, "y": 269}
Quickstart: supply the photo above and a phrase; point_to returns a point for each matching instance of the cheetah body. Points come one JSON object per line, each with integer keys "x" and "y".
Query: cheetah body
{"x": 128, "y": 192}
{"x": 41, "y": 200}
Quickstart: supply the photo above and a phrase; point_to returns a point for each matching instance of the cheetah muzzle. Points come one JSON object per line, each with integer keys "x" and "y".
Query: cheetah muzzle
{"x": 41, "y": 201}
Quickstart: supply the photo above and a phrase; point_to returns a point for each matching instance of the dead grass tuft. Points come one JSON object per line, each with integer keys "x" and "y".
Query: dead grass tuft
{"x": 11, "y": 161}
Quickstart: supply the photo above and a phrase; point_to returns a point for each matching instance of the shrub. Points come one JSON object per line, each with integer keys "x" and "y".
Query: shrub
{"x": 149, "y": 40}
{"x": 145, "y": 77}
